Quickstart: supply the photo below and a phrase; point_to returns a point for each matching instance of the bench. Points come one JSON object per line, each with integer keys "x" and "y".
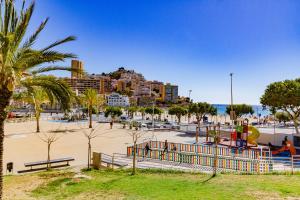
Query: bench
{"x": 45, "y": 162}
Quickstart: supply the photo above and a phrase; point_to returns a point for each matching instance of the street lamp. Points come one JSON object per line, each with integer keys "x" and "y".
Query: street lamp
{"x": 190, "y": 91}
{"x": 232, "y": 113}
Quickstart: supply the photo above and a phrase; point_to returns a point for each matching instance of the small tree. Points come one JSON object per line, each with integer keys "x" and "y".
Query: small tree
{"x": 282, "y": 117}
{"x": 285, "y": 96}
{"x": 189, "y": 112}
{"x": 136, "y": 133}
{"x": 90, "y": 134}
{"x": 90, "y": 99}
{"x": 142, "y": 111}
{"x": 113, "y": 112}
{"x": 214, "y": 113}
{"x": 131, "y": 110}
{"x": 240, "y": 109}
{"x": 50, "y": 137}
{"x": 178, "y": 111}
{"x": 153, "y": 111}
{"x": 200, "y": 110}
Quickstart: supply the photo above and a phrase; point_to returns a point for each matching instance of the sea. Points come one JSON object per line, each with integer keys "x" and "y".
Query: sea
{"x": 258, "y": 110}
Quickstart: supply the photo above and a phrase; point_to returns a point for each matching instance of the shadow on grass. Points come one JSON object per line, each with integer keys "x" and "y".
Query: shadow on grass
{"x": 210, "y": 178}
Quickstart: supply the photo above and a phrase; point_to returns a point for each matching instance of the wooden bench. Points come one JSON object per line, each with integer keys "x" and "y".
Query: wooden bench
{"x": 45, "y": 162}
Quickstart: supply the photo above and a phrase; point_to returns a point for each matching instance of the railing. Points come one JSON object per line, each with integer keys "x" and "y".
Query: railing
{"x": 286, "y": 164}
{"x": 209, "y": 149}
{"x": 225, "y": 163}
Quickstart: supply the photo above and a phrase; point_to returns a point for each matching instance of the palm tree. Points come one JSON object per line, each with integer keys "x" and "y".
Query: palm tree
{"x": 101, "y": 102}
{"x": 37, "y": 97}
{"x": 90, "y": 99}
{"x": 20, "y": 63}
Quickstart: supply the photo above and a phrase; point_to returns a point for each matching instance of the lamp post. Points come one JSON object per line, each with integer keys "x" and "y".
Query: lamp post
{"x": 190, "y": 91}
{"x": 231, "y": 102}
{"x": 232, "y": 114}
{"x": 153, "y": 105}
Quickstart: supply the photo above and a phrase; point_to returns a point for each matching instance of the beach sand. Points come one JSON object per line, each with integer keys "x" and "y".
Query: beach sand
{"x": 23, "y": 145}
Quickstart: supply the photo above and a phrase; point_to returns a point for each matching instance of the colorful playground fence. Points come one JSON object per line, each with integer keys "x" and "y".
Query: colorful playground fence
{"x": 209, "y": 149}
{"x": 204, "y": 155}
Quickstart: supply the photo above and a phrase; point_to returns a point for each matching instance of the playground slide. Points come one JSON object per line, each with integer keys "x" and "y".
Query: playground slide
{"x": 253, "y": 136}
{"x": 289, "y": 147}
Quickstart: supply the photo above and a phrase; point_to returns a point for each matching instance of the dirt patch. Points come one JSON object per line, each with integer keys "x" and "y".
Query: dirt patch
{"x": 263, "y": 195}
{"x": 19, "y": 187}
{"x": 98, "y": 195}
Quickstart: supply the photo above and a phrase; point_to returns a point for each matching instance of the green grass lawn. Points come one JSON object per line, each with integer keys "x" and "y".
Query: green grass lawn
{"x": 153, "y": 184}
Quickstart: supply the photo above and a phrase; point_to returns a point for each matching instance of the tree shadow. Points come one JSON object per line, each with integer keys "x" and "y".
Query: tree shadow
{"x": 210, "y": 178}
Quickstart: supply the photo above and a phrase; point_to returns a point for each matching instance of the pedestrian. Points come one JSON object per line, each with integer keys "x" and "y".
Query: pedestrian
{"x": 166, "y": 146}
{"x": 147, "y": 149}
{"x": 174, "y": 147}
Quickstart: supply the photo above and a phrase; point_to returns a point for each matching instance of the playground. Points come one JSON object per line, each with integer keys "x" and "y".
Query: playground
{"x": 238, "y": 153}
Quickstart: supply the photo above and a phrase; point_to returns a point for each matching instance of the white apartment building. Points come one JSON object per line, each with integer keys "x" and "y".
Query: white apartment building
{"x": 115, "y": 99}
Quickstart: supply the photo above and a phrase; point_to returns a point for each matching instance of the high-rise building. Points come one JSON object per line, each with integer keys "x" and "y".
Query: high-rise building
{"x": 79, "y": 85}
{"x": 77, "y": 69}
{"x": 170, "y": 93}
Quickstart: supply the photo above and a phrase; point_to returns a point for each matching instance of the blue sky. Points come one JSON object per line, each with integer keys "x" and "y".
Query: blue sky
{"x": 194, "y": 44}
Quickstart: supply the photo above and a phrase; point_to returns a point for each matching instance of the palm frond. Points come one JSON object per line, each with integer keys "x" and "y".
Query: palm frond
{"x": 31, "y": 58}
{"x": 59, "y": 42}
{"x": 50, "y": 68}
{"x": 21, "y": 25}
{"x": 34, "y": 36}
{"x": 55, "y": 88}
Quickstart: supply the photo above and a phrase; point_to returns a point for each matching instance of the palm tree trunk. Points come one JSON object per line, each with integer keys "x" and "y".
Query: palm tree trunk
{"x": 37, "y": 123}
{"x": 90, "y": 116}
{"x": 5, "y": 96}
